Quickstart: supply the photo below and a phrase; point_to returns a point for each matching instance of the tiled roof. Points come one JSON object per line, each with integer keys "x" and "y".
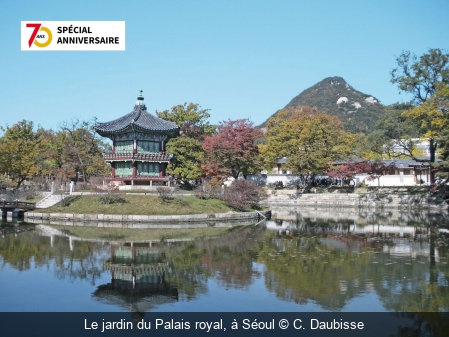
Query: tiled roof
{"x": 139, "y": 120}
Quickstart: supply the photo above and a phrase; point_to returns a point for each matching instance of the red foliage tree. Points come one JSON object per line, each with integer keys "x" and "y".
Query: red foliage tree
{"x": 350, "y": 170}
{"x": 377, "y": 170}
{"x": 233, "y": 147}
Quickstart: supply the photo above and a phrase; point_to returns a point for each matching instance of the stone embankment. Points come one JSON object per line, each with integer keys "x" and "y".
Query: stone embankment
{"x": 355, "y": 200}
{"x": 230, "y": 216}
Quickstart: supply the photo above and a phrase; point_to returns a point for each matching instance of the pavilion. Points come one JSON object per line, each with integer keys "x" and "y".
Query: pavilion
{"x": 138, "y": 146}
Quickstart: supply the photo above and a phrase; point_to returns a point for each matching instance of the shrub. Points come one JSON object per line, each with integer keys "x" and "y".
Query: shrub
{"x": 243, "y": 195}
{"x": 111, "y": 196}
{"x": 165, "y": 193}
{"x": 211, "y": 189}
{"x": 362, "y": 184}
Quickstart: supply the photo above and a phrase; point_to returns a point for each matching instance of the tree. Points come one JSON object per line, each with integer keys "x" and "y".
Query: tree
{"x": 187, "y": 149}
{"x": 233, "y": 147}
{"x": 80, "y": 148}
{"x": 349, "y": 171}
{"x": 394, "y": 129}
{"x": 420, "y": 77}
{"x": 310, "y": 139}
{"x": 427, "y": 80}
{"x": 188, "y": 154}
{"x": 443, "y": 166}
{"x": 21, "y": 151}
{"x": 376, "y": 169}
{"x": 191, "y": 119}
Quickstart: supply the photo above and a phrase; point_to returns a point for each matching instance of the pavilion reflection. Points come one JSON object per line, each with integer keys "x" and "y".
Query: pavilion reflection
{"x": 138, "y": 279}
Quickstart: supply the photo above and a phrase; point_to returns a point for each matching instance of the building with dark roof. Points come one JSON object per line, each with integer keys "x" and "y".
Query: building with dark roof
{"x": 138, "y": 146}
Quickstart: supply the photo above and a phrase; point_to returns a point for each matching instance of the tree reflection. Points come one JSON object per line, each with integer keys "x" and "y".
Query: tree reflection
{"x": 305, "y": 260}
{"x": 324, "y": 261}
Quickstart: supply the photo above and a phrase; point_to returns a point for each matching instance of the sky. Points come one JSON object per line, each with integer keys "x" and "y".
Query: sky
{"x": 238, "y": 58}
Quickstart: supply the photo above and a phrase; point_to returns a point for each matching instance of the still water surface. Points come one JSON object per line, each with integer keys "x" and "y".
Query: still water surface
{"x": 309, "y": 261}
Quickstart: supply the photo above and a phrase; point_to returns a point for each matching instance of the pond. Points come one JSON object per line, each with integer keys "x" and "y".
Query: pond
{"x": 308, "y": 261}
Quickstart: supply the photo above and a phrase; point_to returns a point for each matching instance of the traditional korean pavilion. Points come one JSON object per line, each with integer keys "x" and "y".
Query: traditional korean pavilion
{"x": 138, "y": 146}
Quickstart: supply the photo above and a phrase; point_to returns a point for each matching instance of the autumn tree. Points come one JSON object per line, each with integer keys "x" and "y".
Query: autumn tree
{"x": 427, "y": 79}
{"x": 377, "y": 169}
{"x": 79, "y": 148}
{"x": 233, "y": 147}
{"x": 187, "y": 149}
{"x": 349, "y": 171}
{"x": 21, "y": 151}
{"x": 310, "y": 139}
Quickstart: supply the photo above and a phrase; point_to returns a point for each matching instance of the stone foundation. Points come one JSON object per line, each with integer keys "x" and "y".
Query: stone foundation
{"x": 355, "y": 200}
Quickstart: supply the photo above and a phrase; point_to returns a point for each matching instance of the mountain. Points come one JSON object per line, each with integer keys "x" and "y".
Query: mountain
{"x": 357, "y": 111}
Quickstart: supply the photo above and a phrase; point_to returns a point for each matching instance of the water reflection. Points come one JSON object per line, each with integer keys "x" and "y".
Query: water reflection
{"x": 302, "y": 258}
{"x": 138, "y": 279}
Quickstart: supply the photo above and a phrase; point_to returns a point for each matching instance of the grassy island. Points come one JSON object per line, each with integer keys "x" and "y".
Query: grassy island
{"x": 139, "y": 205}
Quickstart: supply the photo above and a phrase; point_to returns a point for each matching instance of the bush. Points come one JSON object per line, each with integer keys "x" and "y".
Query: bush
{"x": 111, "y": 196}
{"x": 362, "y": 184}
{"x": 165, "y": 193}
{"x": 211, "y": 189}
{"x": 244, "y": 195}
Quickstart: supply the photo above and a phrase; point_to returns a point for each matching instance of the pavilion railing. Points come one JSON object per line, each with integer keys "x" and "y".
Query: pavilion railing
{"x": 137, "y": 156}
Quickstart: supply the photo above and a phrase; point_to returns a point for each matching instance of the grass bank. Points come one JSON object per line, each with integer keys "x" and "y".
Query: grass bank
{"x": 139, "y": 205}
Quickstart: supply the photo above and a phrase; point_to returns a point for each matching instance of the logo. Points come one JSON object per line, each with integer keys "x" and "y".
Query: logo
{"x": 36, "y": 36}
{"x": 72, "y": 35}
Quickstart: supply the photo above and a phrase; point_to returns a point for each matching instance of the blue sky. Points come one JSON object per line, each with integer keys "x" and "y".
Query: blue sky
{"x": 241, "y": 59}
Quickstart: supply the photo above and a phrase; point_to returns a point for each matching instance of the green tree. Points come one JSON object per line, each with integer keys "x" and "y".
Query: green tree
{"x": 188, "y": 155}
{"x": 421, "y": 77}
{"x": 426, "y": 79}
{"x": 310, "y": 139}
{"x": 191, "y": 119}
{"x": 21, "y": 151}
{"x": 393, "y": 129}
{"x": 187, "y": 149}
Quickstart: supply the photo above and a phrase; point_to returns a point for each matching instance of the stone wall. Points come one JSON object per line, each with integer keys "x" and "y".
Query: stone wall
{"x": 231, "y": 216}
{"x": 356, "y": 200}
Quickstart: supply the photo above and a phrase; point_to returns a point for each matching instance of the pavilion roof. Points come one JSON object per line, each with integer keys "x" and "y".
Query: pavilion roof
{"x": 138, "y": 120}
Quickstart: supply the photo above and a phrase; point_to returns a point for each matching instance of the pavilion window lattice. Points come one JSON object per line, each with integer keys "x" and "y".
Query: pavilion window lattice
{"x": 147, "y": 169}
{"x": 147, "y": 147}
{"x": 123, "y": 169}
{"x": 124, "y": 146}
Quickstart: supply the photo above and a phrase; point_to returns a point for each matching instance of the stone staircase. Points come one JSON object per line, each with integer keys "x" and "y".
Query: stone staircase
{"x": 50, "y": 200}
